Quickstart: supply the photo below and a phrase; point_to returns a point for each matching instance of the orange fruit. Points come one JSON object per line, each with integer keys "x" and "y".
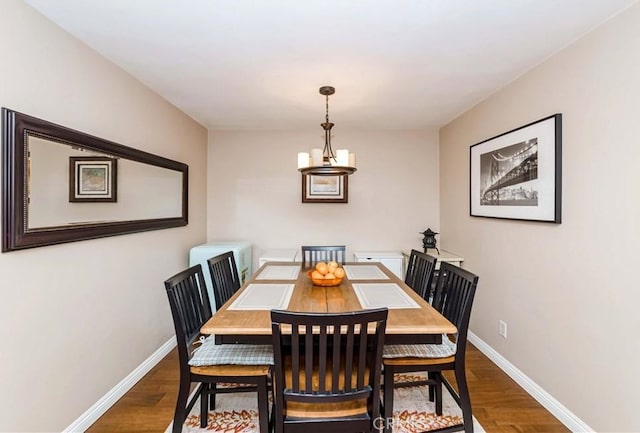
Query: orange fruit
{"x": 316, "y": 275}
{"x": 322, "y": 268}
{"x": 339, "y": 273}
{"x": 330, "y": 276}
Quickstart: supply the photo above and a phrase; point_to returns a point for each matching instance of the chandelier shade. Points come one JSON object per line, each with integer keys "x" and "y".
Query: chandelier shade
{"x": 326, "y": 161}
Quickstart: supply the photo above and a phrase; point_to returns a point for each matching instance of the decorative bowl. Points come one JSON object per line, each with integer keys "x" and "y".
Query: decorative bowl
{"x": 324, "y": 282}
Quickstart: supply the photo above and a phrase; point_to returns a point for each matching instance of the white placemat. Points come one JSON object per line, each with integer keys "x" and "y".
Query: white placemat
{"x": 367, "y": 272}
{"x": 263, "y": 297}
{"x": 279, "y": 273}
{"x": 378, "y": 295}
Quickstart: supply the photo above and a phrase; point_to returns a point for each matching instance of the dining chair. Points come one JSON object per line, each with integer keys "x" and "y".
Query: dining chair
{"x": 327, "y": 370}
{"x": 453, "y": 298}
{"x": 314, "y": 254}
{"x": 224, "y": 277}
{"x": 420, "y": 272}
{"x": 207, "y": 364}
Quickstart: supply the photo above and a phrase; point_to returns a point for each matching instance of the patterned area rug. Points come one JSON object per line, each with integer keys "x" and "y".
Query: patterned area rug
{"x": 413, "y": 412}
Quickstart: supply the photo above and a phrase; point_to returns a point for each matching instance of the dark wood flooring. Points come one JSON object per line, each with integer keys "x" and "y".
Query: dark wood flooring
{"x": 499, "y": 404}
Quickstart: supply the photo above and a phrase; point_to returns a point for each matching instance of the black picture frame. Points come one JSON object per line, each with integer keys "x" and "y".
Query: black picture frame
{"x": 93, "y": 179}
{"x": 325, "y": 189}
{"x": 517, "y": 175}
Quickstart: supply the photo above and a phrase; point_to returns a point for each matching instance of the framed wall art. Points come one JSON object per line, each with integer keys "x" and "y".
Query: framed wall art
{"x": 518, "y": 174}
{"x": 92, "y": 179}
{"x": 325, "y": 189}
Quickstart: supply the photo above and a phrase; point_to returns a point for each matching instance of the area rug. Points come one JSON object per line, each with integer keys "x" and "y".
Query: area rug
{"x": 413, "y": 412}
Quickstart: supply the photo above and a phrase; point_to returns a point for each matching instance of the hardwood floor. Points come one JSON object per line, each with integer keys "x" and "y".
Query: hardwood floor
{"x": 148, "y": 406}
{"x": 499, "y": 404}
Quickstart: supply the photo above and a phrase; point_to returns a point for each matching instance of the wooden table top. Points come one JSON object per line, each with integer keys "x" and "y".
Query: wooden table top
{"x": 309, "y": 298}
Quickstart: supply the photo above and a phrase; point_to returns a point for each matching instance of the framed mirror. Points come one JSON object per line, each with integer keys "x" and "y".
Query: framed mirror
{"x": 61, "y": 185}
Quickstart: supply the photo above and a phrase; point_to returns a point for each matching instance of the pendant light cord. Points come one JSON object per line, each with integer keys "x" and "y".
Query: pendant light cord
{"x": 327, "y": 116}
{"x": 327, "y": 151}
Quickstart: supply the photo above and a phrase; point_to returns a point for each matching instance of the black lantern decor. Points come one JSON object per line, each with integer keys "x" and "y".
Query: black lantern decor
{"x": 429, "y": 240}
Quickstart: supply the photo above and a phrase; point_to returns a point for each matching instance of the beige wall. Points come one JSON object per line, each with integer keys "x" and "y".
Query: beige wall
{"x": 77, "y": 318}
{"x": 254, "y": 190}
{"x": 568, "y": 292}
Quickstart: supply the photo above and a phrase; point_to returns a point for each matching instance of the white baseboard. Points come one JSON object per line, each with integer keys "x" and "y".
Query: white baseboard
{"x": 566, "y": 417}
{"x": 101, "y": 406}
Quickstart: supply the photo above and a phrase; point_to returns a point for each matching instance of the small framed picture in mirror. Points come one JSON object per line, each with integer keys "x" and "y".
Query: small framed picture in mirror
{"x": 92, "y": 179}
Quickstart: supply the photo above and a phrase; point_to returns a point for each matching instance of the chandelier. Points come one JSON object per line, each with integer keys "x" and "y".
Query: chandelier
{"x": 326, "y": 162}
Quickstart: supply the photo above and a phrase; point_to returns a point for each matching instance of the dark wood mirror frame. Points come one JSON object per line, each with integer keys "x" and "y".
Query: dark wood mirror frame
{"x": 15, "y": 233}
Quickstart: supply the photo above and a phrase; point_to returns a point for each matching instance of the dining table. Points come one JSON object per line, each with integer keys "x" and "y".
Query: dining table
{"x": 245, "y": 317}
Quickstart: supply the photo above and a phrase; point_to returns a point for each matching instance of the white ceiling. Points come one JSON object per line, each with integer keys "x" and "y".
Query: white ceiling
{"x": 396, "y": 64}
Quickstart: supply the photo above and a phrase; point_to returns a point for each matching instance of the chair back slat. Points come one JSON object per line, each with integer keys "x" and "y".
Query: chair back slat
{"x": 323, "y": 343}
{"x": 335, "y": 367}
{"x": 190, "y": 308}
{"x": 348, "y": 365}
{"x": 362, "y": 358}
{"x": 314, "y": 254}
{"x": 224, "y": 277}
{"x": 308, "y": 359}
{"x": 295, "y": 357}
{"x": 335, "y": 344}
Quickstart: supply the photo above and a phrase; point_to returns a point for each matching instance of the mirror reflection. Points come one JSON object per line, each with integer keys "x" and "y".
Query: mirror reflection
{"x": 143, "y": 191}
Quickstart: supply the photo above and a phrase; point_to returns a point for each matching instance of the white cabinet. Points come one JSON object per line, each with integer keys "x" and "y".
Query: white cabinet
{"x": 442, "y": 256}
{"x": 393, "y": 260}
{"x": 280, "y": 255}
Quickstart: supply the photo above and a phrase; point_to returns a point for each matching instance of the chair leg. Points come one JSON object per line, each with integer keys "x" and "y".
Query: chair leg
{"x": 278, "y": 419}
{"x": 212, "y": 396}
{"x": 438, "y": 388}
{"x": 465, "y": 399}
{"x": 204, "y": 404}
{"x": 181, "y": 406}
{"x": 432, "y": 388}
{"x": 263, "y": 405}
{"x": 388, "y": 397}
{"x": 277, "y": 410}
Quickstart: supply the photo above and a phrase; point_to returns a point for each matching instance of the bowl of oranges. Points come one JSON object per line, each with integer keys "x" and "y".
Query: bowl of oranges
{"x": 326, "y": 274}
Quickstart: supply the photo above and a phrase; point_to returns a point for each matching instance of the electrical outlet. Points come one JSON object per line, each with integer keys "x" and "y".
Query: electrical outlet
{"x": 502, "y": 328}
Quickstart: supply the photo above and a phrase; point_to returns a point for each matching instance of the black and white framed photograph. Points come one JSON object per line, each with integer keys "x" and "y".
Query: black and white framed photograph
{"x": 92, "y": 179}
{"x": 325, "y": 189}
{"x": 518, "y": 174}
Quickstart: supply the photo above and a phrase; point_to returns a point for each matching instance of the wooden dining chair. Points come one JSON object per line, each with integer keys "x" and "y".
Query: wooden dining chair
{"x": 224, "y": 277}
{"x": 453, "y": 298}
{"x": 327, "y": 370}
{"x": 208, "y": 364}
{"x": 420, "y": 271}
{"x": 314, "y": 254}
